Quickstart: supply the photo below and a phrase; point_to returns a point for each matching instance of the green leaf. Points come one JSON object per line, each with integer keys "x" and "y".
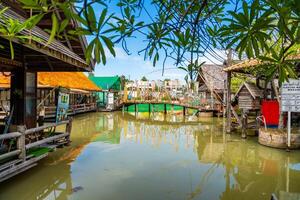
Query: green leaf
{"x": 96, "y": 50}
{"x": 109, "y": 45}
{"x": 92, "y": 22}
{"x": 54, "y": 28}
{"x": 101, "y": 19}
{"x": 63, "y": 25}
{"x": 88, "y": 51}
{"x": 102, "y": 53}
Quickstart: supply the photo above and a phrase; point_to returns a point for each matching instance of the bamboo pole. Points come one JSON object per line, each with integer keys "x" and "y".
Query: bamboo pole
{"x": 10, "y": 154}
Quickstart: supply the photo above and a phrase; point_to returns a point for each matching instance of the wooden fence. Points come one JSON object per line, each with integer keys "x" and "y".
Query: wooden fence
{"x": 18, "y": 160}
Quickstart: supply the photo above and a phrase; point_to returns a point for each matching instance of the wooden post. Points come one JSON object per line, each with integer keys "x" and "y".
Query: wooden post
{"x": 136, "y": 109}
{"x": 224, "y": 98}
{"x": 165, "y": 108}
{"x": 23, "y": 98}
{"x": 184, "y": 111}
{"x": 228, "y": 103}
{"x": 21, "y": 142}
{"x": 244, "y": 123}
{"x": 289, "y": 130}
{"x": 69, "y": 129}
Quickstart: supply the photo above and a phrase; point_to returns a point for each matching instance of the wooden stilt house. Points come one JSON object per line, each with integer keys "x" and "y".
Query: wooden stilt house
{"x": 61, "y": 55}
{"x": 211, "y": 81}
{"x": 82, "y": 92}
{"x": 249, "y": 97}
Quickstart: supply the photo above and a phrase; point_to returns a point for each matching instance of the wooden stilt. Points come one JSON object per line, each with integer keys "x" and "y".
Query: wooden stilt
{"x": 244, "y": 123}
{"x": 136, "y": 109}
{"x": 21, "y": 142}
{"x": 69, "y": 129}
{"x": 165, "y": 108}
{"x": 184, "y": 111}
{"x": 228, "y": 103}
{"x": 228, "y": 88}
{"x": 23, "y": 98}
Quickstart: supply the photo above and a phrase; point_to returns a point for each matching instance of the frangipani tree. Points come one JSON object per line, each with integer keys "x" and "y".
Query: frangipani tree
{"x": 182, "y": 31}
{"x": 192, "y": 71}
{"x": 171, "y": 29}
{"x": 268, "y": 30}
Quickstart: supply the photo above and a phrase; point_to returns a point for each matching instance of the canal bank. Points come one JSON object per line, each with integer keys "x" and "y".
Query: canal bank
{"x": 116, "y": 156}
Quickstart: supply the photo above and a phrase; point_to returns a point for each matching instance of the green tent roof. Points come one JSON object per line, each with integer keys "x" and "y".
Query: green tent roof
{"x": 107, "y": 83}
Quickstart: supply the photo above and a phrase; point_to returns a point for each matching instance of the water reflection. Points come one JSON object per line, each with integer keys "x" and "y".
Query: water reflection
{"x": 145, "y": 156}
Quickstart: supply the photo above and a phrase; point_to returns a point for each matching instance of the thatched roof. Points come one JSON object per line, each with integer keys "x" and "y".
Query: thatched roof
{"x": 56, "y": 56}
{"x": 70, "y": 80}
{"x": 239, "y": 67}
{"x": 214, "y": 77}
{"x": 243, "y": 65}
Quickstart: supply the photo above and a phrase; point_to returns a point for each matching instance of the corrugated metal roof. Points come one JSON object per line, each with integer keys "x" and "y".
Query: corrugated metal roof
{"x": 55, "y": 49}
{"x": 71, "y": 80}
{"x": 107, "y": 83}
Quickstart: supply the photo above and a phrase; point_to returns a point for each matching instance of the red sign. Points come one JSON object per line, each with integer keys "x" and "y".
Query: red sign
{"x": 270, "y": 110}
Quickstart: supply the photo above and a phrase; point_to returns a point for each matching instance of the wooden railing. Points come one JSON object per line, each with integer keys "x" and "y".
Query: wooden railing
{"x": 74, "y": 109}
{"x": 167, "y": 97}
{"x": 79, "y": 108}
{"x": 18, "y": 160}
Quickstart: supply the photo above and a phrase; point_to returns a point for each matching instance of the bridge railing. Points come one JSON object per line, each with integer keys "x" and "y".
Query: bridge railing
{"x": 188, "y": 99}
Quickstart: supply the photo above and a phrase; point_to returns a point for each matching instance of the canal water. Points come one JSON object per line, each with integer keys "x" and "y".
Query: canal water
{"x": 115, "y": 156}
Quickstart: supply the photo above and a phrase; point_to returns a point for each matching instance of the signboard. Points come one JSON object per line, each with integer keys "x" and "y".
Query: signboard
{"x": 110, "y": 98}
{"x": 290, "y": 96}
{"x": 62, "y": 106}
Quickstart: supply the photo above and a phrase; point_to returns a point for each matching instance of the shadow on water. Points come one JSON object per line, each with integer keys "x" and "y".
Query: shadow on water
{"x": 144, "y": 156}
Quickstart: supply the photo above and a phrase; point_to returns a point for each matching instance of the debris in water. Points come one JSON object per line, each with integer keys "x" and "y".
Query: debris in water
{"x": 77, "y": 189}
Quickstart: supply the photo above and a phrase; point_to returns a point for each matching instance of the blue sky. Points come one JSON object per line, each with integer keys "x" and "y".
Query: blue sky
{"x": 134, "y": 66}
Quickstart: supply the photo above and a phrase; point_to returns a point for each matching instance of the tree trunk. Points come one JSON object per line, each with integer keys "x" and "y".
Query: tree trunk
{"x": 280, "y": 124}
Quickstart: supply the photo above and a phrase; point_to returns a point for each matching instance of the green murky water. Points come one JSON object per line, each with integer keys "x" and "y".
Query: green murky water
{"x": 121, "y": 157}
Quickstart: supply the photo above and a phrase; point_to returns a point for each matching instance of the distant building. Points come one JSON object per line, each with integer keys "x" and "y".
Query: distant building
{"x": 143, "y": 85}
{"x": 172, "y": 85}
{"x": 81, "y": 92}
